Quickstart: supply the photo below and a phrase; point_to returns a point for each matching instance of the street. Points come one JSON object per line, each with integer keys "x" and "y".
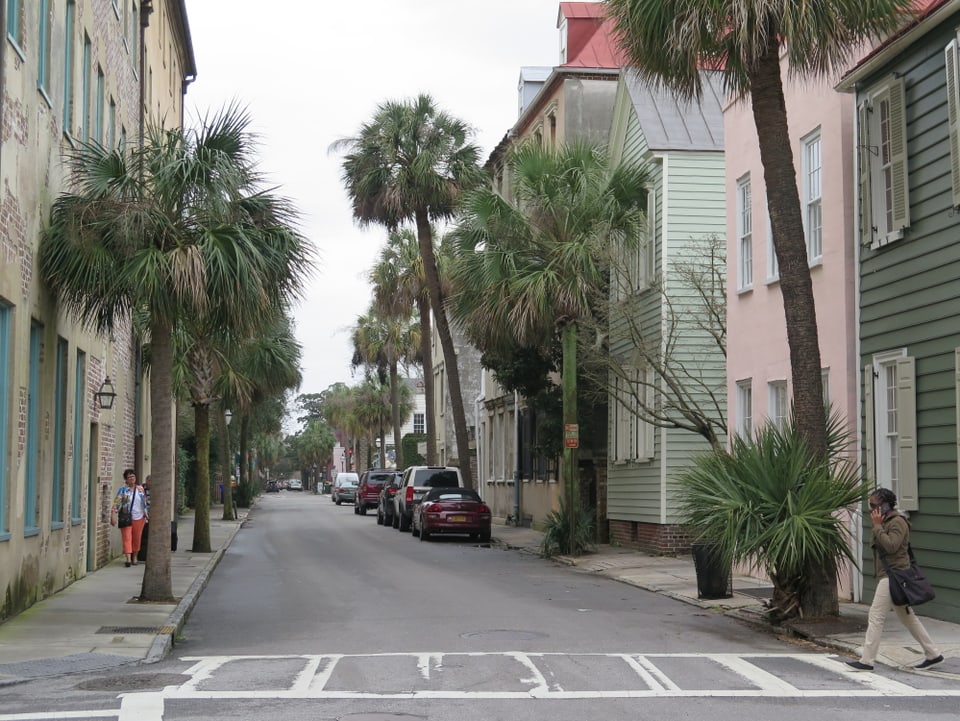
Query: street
{"x": 317, "y": 613}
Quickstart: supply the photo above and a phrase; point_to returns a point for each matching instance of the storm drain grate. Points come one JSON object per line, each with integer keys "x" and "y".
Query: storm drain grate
{"x": 137, "y": 629}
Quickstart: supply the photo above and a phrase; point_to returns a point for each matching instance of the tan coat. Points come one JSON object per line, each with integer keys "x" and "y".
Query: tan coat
{"x": 891, "y": 539}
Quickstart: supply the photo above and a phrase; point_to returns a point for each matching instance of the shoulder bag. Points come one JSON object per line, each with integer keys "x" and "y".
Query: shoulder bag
{"x": 908, "y": 586}
{"x": 125, "y": 514}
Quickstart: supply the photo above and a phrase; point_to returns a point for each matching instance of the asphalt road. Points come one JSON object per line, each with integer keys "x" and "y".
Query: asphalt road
{"x": 317, "y": 613}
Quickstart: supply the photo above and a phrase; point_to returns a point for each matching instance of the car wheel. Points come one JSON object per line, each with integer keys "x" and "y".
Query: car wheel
{"x": 484, "y": 536}
{"x": 414, "y": 530}
{"x": 424, "y": 534}
{"x": 338, "y": 501}
{"x": 379, "y": 518}
{"x": 356, "y": 509}
{"x": 362, "y": 509}
{"x": 405, "y": 522}
{"x": 395, "y": 521}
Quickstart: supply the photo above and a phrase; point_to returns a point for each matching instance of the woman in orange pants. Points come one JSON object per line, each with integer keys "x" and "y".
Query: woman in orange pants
{"x": 130, "y": 512}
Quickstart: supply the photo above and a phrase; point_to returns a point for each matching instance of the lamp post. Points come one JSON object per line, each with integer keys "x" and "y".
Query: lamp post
{"x": 314, "y": 475}
{"x": 229, "y": 512}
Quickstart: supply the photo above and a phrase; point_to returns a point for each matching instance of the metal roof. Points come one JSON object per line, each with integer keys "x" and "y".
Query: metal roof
{"x": 671, "y": 124}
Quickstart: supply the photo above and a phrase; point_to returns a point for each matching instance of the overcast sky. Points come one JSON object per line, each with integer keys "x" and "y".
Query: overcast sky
{"x": 312, "y": 72}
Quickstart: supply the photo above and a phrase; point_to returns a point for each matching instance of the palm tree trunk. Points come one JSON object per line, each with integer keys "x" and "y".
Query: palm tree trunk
{"x": 783, "y": 200}
{"x": 430, "y": 425}
{"x": 395, "y": 412}
{"x": 425, "y": 239}
{"x": 157, "y": 580}
{"x": 571, "y": 464}
{"x": 201, "y": 516}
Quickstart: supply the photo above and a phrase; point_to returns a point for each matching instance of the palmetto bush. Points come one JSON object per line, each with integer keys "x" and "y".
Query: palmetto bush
{"x": 556, "y": 532}
{"x": 769, "y": 503}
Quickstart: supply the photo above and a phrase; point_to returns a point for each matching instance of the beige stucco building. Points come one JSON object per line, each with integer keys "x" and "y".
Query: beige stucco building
{"x": 71, "y": 71}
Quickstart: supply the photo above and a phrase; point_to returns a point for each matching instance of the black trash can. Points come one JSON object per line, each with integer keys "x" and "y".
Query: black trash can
{"x": 145, "y": 539}
{"x": 714, "y": 578}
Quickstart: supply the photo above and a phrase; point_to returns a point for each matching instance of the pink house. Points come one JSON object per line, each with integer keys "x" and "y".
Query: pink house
{"x": 758, "y": 365}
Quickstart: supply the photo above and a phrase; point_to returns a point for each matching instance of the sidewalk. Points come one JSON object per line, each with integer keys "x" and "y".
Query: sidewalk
{"x": 94, "y": 625}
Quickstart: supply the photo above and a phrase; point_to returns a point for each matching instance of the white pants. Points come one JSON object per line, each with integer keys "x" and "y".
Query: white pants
{"x": 878, "y": 614}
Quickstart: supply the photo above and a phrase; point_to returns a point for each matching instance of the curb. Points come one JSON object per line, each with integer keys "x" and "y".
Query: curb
{"x": 163, "y": 643}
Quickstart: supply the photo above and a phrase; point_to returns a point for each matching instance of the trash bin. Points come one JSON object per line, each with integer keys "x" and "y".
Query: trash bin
{"x": 145, "y": 540}
{"x": 714, "y": 577}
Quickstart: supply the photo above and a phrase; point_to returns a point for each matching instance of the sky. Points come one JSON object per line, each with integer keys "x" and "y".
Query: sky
{"x": 310, "y": 73}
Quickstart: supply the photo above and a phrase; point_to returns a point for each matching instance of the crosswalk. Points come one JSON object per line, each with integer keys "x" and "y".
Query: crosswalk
{"x": 519, "y": 675}
{"x": 515, "y": 675}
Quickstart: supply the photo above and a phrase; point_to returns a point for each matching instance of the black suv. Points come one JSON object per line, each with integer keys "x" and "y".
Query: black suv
{"x": 416, "y": 481}
{"x": 368, "y": 492}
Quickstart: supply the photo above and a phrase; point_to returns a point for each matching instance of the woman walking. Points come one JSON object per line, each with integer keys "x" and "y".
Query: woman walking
{"x": 891, "y": 538}
{"x": 130, "y": 512}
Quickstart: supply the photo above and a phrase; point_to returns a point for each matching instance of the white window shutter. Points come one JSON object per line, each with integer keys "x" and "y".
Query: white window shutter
{"x": 869, "y": 421}
{"x": 898, "y": 155}
{"x": 863, "y": 167}
{"x": 953, "y": 117}
{"x": 648, "y": 258}
{"x": 907, "y": 434}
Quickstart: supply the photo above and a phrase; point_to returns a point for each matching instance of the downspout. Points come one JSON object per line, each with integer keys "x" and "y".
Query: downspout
{"x": 3, "y": 64}
{"x": 146, "y": 8}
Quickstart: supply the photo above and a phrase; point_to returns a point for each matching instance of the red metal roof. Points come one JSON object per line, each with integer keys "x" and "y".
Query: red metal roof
{"x": 590, "y": 41}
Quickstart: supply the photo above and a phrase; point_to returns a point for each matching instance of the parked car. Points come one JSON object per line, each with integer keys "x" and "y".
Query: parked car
{"x": 368, "y": 492}
{"x": 385, "y": 501}
{"x": 294, "y": 484}
{"x": 452, "y": 510}
{"x": 345, "y": 487}
{"x": 417, "y": 480}
{"x": 273, "y": 487}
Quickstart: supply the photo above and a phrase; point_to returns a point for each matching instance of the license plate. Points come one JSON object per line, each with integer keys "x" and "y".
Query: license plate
{"x": 457, "y": 519}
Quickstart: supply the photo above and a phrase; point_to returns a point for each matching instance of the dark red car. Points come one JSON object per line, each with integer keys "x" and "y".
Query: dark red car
{"x": 368, "y": 492}
{"x": 452, "y": 510}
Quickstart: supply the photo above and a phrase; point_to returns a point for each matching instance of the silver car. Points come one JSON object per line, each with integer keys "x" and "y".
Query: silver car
{"x": 345, "y": 488}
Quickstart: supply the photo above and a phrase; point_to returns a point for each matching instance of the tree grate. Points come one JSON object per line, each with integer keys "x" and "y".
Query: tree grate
{"x": 153, "y": 630}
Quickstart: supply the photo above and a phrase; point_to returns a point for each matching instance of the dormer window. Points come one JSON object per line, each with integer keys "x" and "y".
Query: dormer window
{"x": 563, "y": 41}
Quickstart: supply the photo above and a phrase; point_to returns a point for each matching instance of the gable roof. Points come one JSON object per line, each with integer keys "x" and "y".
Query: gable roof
{"x": 671, "y": 124}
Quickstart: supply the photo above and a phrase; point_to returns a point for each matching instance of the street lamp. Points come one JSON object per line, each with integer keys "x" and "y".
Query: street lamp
{"x": 228, "y": 416}
{"x": 315, "y": 477}
{"x": 229, "y": 512}
{"x": 106, "y": 394}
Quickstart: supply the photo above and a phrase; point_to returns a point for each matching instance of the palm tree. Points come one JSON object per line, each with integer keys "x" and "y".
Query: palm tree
{"x": 175, "y": 228}
{"x": 413, "y": 162}
{"x": 544, "y": 253}
{"x": 668, "y": 42}
{"x": 399, "y": 284}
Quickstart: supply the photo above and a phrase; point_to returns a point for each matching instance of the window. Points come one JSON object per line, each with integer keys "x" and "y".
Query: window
{"x": 68, "y": 66}
{"x": 890, "y": 405}
{"x": 745, "y": 408}
{"x": 86, "y": 70}
{"x": 812, "y": 191}
{"x": 744, "y": 235}
{"x": 778, "y": 406}
{"x": 633, "y": 436}
{"x": 773, "y": 265}
{"x": 31, "y": 520}
{"x": 43, "y": 49}
{"x": 133, "y": 28}
{"x": 112, "y": 125}
{"x": 419, "y": 423}
{"x": 59, "y": 434}
{"x": 98, "y": 127}
{"x": 15, "y": 23}
{"x": 79, "y": 394}
{"x": 884, "y": 201}
{"x": 825, "y": 382}
{"x": 6, "y": 321}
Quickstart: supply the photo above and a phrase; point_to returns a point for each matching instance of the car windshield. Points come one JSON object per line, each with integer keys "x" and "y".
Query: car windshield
{"x": 349, "y": 483}
{"x": 379, "y": 479}
{"x": 434, "y": 479}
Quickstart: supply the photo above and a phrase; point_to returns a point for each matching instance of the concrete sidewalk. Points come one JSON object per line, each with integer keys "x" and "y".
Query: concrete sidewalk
{"x": 96, "y": 624}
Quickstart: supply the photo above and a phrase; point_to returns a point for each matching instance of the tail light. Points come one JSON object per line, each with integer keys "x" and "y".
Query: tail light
{"x": 409, "y": 497}
{"x": 434, "y": 508}
{"x": 483, "y": 508}
{"x": 392, "y": 491}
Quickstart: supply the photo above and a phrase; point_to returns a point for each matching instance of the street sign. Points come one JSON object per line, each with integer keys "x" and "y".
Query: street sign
{"x": 571, "y": 435}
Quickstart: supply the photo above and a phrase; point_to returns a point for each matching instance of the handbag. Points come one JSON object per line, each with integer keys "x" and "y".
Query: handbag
{"x": 908, "y": 586}
{"x": 125, "y": 514}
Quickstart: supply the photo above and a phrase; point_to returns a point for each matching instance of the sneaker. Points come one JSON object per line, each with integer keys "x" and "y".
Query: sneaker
{"x": 858, "y": 666}
{"x": 928, "y": 662}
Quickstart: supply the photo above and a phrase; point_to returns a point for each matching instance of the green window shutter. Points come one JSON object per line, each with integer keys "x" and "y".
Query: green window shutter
{"x": 866, "y": 209}
{"x": 907, "y": 434}
{"x": 956, "y": 370}
{"x": 953, "y": 115}
{"x": 898, "y": 151}
{"x": 869, "y": 448}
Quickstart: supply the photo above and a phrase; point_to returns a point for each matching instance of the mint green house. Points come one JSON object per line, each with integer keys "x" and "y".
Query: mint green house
{"x": 668, "y": 375}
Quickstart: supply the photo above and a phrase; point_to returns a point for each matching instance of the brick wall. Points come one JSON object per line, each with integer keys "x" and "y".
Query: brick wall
{"x": 650, "y": 537}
